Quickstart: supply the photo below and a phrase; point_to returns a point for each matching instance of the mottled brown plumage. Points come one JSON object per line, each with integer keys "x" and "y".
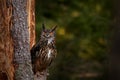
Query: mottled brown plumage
{"x": 44, "y": 52}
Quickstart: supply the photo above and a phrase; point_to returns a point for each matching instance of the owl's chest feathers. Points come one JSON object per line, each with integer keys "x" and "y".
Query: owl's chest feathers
{"x": 49, "y": 49}
{"x": 49, "y": 53}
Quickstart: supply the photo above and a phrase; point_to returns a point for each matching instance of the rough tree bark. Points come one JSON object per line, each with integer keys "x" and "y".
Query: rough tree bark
{"x": 17, "y": 26}
{"x": 6, "y": 45}
{"x": 114, "y": 57}
{"x": 22, "y": 59}
{"x": 17, "y": 36}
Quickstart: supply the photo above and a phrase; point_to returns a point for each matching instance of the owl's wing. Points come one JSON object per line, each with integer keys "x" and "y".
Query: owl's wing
{"x": 34, "y": 51}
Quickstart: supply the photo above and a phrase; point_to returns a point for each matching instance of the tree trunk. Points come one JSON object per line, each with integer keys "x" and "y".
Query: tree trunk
{"x": 17, "y": 26}
{"x": 31, "y": 21}
{"x": 22, "y": 59}
{"x": 17, "y": 36}
{"x": 6, "y": 43}
{"x": 114, "y": 57}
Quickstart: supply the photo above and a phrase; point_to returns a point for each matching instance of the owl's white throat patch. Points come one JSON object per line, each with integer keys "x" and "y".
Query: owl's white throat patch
{"x": 50, "y": 40}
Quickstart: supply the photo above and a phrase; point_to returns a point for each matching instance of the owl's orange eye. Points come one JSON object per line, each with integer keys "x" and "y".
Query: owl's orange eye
{"x": 43, "y": 32}
{"x": 51, "y": 33}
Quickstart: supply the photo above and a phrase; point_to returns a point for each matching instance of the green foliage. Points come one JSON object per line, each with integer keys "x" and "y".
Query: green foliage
{"x": 81, "y": 36}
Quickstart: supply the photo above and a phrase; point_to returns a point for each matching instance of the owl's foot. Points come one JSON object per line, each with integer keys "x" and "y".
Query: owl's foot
{"x": 45, "y": 72}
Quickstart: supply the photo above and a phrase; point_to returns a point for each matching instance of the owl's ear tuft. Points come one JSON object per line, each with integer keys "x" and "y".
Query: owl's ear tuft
{"x": 54, "y": 28}
{"x": 43, "y": 27}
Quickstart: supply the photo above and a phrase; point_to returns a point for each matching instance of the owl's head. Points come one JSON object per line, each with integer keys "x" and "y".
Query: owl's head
{"x": 48, "y": 34}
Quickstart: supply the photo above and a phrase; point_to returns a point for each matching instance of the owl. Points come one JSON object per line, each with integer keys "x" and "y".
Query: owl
{"x": 44, "y": 51}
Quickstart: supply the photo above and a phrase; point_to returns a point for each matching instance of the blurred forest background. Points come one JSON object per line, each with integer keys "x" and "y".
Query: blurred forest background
{"x": 81, "y": 39}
